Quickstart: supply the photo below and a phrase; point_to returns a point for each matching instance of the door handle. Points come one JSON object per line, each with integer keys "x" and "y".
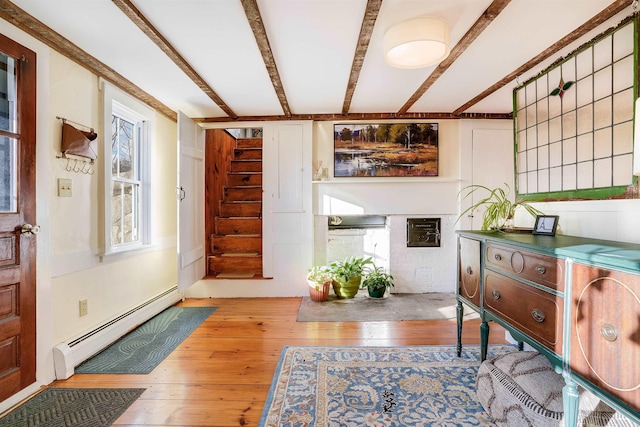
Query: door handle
{"x": 181, "y": 193}
{"x": 29, "y": 229}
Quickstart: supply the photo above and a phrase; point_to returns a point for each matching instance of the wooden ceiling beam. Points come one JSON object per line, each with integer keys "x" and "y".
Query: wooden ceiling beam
{"x": 150, "y": 31}
{"x": 361, "y": 116}
{"x": 30, "y": 25}
{"x": 608, "y": 12}
{"x": 368, "y": 22}
{"x": 476, "y": 29}
{"x": 260, "y": 34}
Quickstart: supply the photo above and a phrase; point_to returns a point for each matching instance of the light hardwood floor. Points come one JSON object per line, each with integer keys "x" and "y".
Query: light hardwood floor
{"x": 220, "y": 375}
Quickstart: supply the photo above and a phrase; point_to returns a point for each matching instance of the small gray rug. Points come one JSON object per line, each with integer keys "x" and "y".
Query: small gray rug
{"x": 77, "y": 407}
{"x": 362, "y": 308}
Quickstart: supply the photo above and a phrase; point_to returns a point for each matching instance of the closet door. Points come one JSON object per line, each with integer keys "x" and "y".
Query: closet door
{"x": 288, "y": 220}
{"x": 191, "y": 238}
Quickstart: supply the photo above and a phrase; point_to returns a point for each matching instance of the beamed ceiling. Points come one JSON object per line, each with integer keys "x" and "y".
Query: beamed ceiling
{"x": 238, "y": 60}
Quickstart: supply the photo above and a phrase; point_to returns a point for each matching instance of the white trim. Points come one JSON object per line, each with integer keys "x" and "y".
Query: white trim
{"x": 116, "y": 101}
{"x": 68, "y": 263}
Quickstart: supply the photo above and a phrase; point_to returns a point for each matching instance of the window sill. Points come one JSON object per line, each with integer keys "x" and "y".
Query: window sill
{"x": 127, "y": 252}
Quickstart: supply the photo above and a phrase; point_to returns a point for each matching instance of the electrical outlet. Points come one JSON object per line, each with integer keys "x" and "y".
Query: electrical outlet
{"x": 64, "y": 187}
{"x": 84, "y": 307}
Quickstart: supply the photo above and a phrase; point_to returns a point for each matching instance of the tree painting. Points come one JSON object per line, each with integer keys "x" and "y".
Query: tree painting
{"x": 392, "y": 150}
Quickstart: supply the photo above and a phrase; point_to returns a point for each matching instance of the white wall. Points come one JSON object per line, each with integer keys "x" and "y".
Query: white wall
{"x": 68, "y": 265}
{"x": 415, "y": 270}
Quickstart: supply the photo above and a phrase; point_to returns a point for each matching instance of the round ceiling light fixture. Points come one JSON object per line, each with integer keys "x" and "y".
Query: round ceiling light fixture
{"x": 416, "y": 43}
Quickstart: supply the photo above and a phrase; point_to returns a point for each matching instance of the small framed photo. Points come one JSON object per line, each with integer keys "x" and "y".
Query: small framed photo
{"x": 546, "y": 225}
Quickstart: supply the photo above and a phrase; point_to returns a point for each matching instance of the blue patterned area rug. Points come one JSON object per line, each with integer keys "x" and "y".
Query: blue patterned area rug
{"x": 142, "y": 349}
{"x": 376, "y": 386}
{"x": 72, "y": 407}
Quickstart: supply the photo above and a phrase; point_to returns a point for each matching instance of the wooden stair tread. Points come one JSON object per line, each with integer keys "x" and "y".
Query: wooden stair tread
{"x": 237, "y": 254}
{"x": 234, "y": 275}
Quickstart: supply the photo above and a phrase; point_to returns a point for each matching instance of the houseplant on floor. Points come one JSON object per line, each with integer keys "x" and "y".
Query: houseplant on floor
{"x": 347, "y": 275}
{"x": 499, "y": 211}
{"x": 376, "y": 282}
{"x": 319, "y": 279}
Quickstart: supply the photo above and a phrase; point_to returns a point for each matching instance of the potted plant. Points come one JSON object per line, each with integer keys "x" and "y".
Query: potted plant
{"x": 377, "y": 281}
{"x": 319, "y": 279}
{"x": 347, "y": 275}
{"x": 499, "y": 211}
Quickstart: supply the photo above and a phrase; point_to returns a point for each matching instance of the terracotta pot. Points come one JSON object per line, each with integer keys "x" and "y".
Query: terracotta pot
{"x": 346, "y": 289}
{"x": 319, "y": 292}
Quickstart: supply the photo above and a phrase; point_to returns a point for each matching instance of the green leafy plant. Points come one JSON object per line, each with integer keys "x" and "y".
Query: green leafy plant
{"x": 499, "y": 209}
{"x": 376, "y": 279}
{"x": 350, "y": 267}
{"x": 320, "y": 274}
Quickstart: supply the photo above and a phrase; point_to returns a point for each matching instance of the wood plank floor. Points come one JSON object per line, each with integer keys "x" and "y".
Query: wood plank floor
{"x": 220, "y": 375}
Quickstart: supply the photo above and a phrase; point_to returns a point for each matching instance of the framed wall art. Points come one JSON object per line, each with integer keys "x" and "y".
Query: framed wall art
{"x": 385, "y": 150}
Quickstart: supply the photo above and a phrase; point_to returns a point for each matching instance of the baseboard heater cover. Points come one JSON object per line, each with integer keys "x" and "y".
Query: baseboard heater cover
{"x": 68, "y": 355}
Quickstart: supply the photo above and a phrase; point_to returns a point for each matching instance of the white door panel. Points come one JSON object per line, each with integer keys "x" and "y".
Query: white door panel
{"x": 191, "y": 238}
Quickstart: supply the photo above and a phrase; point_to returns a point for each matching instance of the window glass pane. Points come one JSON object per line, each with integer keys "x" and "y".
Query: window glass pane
{"x": 123, "y": 148}
{"x": 8, "y": 176}
{"x": 124, "y": 212}
{"x": 584, "y": 63}
{"x": 623, "y": 42}
{"x": 8, "y": 102}
{"x": 116, "y": 213}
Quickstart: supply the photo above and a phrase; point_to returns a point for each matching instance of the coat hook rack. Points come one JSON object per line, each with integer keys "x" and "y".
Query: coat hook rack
{"x": 78, "y": 143}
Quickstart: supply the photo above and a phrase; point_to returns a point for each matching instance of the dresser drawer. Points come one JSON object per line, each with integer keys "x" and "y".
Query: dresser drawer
{"x": 469, "y": 286}
{"x": 544, "y": 270}
{"x": 534, "y": 312}
{"x": 605, "y": 326}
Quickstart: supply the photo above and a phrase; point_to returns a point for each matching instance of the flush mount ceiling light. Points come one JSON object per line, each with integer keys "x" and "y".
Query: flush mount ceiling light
{"x": 416, "y": 43}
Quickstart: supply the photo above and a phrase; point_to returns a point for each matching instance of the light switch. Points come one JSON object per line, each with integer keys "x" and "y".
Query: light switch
{"x": 64, "y": 187}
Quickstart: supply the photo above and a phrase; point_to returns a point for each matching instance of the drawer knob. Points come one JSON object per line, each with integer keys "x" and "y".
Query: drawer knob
{"x": 498, "y": 257}
{"x": 469, "y": 270}
{"x": 609, "y": 332}
{"x": 540, "y": 269}
{"x": 495, "y": 294}
{"x": 537, "y": 315}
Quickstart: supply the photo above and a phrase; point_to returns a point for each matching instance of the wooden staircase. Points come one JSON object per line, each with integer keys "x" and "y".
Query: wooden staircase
{"x": 236, "y": 242}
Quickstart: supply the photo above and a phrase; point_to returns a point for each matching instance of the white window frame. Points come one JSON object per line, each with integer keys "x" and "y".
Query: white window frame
{"x": 118, "y": 103}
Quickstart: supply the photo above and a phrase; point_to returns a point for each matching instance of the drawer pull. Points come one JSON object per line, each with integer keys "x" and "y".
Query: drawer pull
{"x": 537, "y": 315}
{"x": 495, "y": 294}
{"x": 540, "y": 269}
{"x": 498, "y": 257}
{"x": 609, "y": 332}
{"x": 469, "y": 270}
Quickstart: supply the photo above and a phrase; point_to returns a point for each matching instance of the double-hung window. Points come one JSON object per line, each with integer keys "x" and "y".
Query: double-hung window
{"x": 128, "y": 129}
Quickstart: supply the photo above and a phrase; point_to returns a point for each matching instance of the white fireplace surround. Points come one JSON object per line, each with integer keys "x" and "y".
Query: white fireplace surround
{"x": 415, "y": 269}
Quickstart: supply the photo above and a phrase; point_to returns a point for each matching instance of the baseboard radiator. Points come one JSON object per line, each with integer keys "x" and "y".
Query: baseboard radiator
{"x": 69, "y": 354}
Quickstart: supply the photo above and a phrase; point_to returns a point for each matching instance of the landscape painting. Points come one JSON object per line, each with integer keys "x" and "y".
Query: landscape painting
{"x": 386, "y": 150}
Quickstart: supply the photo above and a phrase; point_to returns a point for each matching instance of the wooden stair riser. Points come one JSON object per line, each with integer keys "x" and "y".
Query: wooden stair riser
{"x": 247, "y": 154}
{"x": 236, "y": 244}
{"x": 249, "y": 143}
{"x": 246, "y": 166}
{"x": 244, "y": 179}
{"x": 236, "y": 226}
{"x": 243, "y": 194}
{"x": 235, "y": 265}
{"x": 240, "y": 209}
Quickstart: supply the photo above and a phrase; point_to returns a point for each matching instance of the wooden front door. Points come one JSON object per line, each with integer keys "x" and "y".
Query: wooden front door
{"x": 17, "y": 217}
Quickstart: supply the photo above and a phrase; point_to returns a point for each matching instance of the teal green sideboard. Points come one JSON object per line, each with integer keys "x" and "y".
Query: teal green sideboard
{"x": 575, "y": 300}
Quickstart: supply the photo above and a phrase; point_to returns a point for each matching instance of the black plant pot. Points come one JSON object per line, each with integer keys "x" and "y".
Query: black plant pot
{"x": 376, "y": 292}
